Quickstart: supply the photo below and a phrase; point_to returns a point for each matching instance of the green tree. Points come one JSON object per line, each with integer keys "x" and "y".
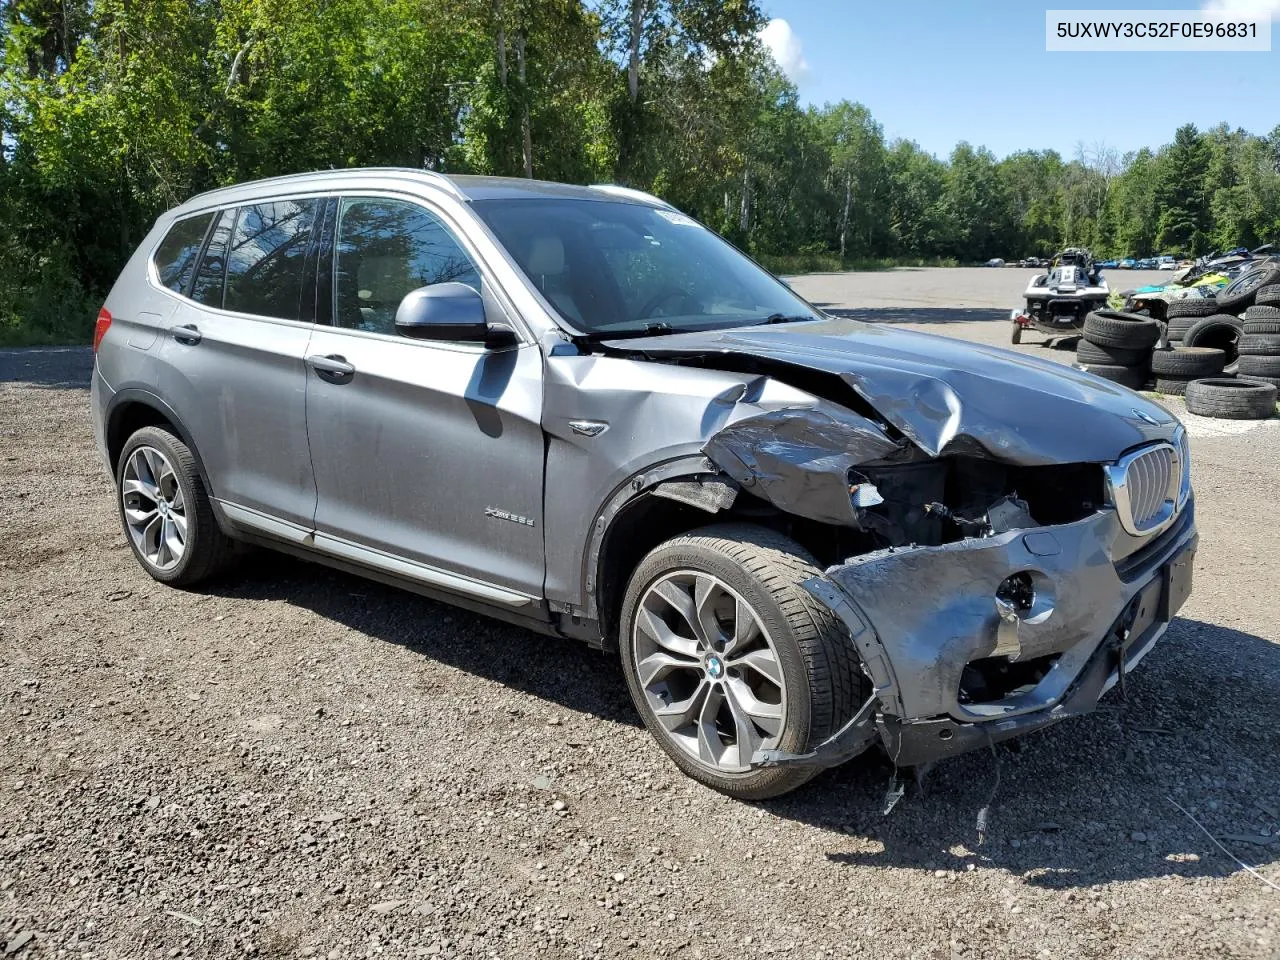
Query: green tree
{"x": 1180, "y": 192}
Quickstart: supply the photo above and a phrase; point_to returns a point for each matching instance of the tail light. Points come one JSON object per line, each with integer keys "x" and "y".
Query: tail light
{"x": 100, "y": 328}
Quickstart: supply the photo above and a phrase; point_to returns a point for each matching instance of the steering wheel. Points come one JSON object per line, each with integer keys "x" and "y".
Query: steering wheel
{"x": 658, "y": 299}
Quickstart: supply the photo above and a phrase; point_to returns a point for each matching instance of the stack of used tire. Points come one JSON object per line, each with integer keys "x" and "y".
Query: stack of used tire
{"x": 1211, "y": 338}
{"x": 1117, "y": 346}
{"x": 1260, "y": 343}
{"x": 1176, "y": 367}
{"x": 1218, "y": 321}
{"x": 1182, "y": 315}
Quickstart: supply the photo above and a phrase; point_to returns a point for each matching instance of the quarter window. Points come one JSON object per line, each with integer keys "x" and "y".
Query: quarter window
{"x": 265, "y": 261}
{"x": 213, "y": 265}
{"x": 385, "y": 249}
{"x": 175, "y": 257}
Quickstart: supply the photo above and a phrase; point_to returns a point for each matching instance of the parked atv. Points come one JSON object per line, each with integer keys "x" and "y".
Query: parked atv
{"x": 1058, "y": 301}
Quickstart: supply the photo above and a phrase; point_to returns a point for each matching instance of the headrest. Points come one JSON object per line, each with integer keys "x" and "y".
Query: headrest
{"x": 381, "y": 279}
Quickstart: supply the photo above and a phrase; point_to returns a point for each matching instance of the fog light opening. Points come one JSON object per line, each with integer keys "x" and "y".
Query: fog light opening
{"x": 992, "y": 679}
{"x": 1017, "y": 592}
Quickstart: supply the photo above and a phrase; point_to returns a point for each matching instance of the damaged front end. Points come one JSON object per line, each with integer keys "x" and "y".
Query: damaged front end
{"x": 975, "y": 626}
{"x": 986, "y": 599}
{"x": 1004, "y": 537}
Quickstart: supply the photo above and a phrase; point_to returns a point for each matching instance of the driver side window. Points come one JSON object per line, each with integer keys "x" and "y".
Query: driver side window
{"x": 384, "y": 250}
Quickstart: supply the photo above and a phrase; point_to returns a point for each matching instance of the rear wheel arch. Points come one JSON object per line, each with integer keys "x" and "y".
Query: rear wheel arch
{"x": 130, "y": 411}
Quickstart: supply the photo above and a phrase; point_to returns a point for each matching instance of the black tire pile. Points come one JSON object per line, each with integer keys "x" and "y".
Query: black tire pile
{"x": 1117, "y": 346}
{"x": 1260, "y": 341}
{"x": 1206, "y": 336}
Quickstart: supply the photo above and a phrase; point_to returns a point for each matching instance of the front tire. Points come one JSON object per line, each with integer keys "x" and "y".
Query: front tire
{"x": 164, "y": 509}
{"x": 1016, "y": 336}
{"x": 725, "y": 653}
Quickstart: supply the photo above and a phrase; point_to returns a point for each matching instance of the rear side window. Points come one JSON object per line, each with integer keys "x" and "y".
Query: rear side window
{"x": 175, "y": 257}
{"x": 266, "y": 258}
{"x": 385, "y": 249}
{"x": 213, "y": 265}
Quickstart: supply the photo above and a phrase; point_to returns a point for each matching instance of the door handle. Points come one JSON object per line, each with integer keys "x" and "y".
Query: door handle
{"x": 188, "y": 334}
{"x": 333, "y": 368}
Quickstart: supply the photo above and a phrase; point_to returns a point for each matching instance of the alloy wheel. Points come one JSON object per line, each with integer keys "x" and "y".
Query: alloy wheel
{"x": 155, "y": 511}
{"x": 708, "y": 669}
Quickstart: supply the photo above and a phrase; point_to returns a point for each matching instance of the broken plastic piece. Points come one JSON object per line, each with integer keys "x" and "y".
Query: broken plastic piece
{"x": 1007, "y": 642}
{"x": 799, "y": 458}
{"x": 942, "y": 510}
{"x": 897, "y": 787}
{"x": 865, "y": 495}
{"x": 846, "y": 743}
{"x": 711, "y": 495}
{"x": 1009, "y": 513}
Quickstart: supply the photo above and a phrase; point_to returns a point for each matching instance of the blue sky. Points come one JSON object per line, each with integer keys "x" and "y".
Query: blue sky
{"x": 938, "y": 72}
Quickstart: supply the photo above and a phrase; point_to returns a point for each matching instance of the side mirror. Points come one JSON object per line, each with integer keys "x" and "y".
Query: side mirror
{"x": 442, "y": 311}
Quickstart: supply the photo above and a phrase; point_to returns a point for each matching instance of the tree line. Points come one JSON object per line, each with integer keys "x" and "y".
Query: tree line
{"x": 113, "y": 110}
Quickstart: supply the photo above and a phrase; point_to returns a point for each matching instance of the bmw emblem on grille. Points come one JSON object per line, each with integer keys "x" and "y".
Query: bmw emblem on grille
{"x": 1145, "y": 417}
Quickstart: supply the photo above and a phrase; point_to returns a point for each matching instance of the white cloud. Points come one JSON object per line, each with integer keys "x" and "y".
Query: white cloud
{"x": 787, "y": 50}
{"x": 1246, "y": 9}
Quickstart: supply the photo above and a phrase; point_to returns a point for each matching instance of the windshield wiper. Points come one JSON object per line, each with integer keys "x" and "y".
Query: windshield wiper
{"x": 655, "y": 329}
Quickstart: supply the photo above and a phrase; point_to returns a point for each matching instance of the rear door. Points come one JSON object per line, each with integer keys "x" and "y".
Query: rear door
{"x": 424, "y": 451}
{"x": 233, "y": 355}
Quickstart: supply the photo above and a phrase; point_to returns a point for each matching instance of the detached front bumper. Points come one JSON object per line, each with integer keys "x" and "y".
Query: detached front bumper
{"x": 920, "y": 616}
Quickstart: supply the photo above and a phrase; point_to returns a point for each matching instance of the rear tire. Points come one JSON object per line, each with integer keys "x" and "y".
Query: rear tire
{"x": 1016, "y": 336}
{"x": 165, "y": 512}
{"x": 766, "y": 665}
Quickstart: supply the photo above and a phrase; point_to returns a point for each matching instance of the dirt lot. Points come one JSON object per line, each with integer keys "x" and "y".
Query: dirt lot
{"x": 295, "y": 762}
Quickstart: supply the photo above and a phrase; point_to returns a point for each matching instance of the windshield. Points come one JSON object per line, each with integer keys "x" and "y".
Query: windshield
{"x": 612, "y": 268}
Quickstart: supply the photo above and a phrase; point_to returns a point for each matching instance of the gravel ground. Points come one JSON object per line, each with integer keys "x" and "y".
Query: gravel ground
{"x": 296, "y": 762}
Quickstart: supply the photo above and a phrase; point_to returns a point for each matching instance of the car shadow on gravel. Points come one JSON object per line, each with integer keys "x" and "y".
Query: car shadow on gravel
{"x": 560, "y": 671}
{"x": 1090, "y": 800}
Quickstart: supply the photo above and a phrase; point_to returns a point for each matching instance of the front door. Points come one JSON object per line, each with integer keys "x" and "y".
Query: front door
{"x": 424, "y": 451}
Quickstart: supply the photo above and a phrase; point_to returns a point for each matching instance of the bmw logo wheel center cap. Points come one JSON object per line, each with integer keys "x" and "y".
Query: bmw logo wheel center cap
{"x": 715, "y": 667}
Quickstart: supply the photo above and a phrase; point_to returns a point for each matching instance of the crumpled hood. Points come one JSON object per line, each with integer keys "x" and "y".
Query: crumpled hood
{"x": 942, "y": 392}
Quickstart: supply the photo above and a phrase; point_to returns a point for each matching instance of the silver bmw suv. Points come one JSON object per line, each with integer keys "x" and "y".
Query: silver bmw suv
{"x": 579, "y": 410}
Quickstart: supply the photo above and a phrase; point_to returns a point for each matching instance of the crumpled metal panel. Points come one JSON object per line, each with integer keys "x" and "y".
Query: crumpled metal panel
{"x": 931, "y": 610}
{"x": 799, "y": 459}
{"x": 943, "y": 393}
